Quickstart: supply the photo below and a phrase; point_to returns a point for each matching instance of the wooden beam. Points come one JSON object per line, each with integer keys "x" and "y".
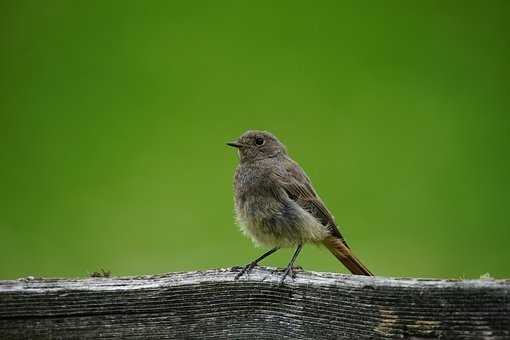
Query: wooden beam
{"x": 210, "y": 304}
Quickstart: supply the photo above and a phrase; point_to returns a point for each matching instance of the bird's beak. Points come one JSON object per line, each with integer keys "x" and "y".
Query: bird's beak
{"x": 234, "y": 144}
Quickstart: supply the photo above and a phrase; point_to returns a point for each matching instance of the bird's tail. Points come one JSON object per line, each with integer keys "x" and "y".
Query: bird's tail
{"x": 339, "y": 248}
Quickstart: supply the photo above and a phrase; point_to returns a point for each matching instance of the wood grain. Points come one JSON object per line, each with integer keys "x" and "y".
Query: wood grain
{"x": 210, "y": 304}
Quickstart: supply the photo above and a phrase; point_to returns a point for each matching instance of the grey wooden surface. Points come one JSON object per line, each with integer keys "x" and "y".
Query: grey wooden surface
{"x": 210, "y": 304}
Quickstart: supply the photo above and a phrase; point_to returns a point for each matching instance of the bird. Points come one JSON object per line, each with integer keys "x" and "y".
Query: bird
{"x": 277, "y": 206}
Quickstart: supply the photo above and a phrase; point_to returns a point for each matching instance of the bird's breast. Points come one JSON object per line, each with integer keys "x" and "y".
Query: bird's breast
{"x": 270, "y": 220}
{"x": 255, "y": 201}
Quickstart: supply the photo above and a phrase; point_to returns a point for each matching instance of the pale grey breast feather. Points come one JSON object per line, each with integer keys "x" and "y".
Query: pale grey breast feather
{"x": 267, "y": 213}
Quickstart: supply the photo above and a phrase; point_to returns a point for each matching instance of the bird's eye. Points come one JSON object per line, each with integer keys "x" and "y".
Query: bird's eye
{"x": 259, "y": 141}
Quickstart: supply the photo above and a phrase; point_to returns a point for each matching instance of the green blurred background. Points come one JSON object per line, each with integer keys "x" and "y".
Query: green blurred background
{"x": 114, "y": 116}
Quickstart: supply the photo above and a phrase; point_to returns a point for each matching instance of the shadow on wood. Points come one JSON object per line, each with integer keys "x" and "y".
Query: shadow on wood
{"x": 210, "y": 304}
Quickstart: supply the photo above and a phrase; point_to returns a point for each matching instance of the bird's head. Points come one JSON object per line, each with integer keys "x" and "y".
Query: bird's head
{"x": 255, "y": 145}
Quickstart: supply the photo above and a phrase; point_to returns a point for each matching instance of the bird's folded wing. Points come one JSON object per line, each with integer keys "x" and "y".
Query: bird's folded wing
{"x": 298, "y": 187}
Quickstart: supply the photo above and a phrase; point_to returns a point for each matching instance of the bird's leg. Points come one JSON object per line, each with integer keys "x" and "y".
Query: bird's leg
{"x": 291, "y": 263}
{"x": 252, "y": 264}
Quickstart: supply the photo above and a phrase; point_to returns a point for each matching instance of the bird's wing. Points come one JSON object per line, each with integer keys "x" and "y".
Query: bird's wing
{"x": 299, "y": 188}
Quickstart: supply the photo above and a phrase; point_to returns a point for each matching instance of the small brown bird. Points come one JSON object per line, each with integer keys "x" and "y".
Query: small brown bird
{"x": 277, "y": 206}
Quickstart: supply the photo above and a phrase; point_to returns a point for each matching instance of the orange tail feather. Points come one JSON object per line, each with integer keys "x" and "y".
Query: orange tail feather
{"x": 339, "y": 248}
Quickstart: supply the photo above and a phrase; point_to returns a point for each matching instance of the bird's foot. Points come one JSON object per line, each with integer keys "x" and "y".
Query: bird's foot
{"x": 290, "y": 270}
{"x": 294, "y": 269}
{"x": 246, "y": 270}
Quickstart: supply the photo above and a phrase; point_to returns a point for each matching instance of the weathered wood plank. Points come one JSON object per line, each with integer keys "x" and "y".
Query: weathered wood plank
{"x": 210, "y": 304}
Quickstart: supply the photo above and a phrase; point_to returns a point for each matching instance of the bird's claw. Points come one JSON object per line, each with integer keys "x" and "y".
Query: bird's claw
{"x": 289, "y": 271}
{"x": 246, "y": 270}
